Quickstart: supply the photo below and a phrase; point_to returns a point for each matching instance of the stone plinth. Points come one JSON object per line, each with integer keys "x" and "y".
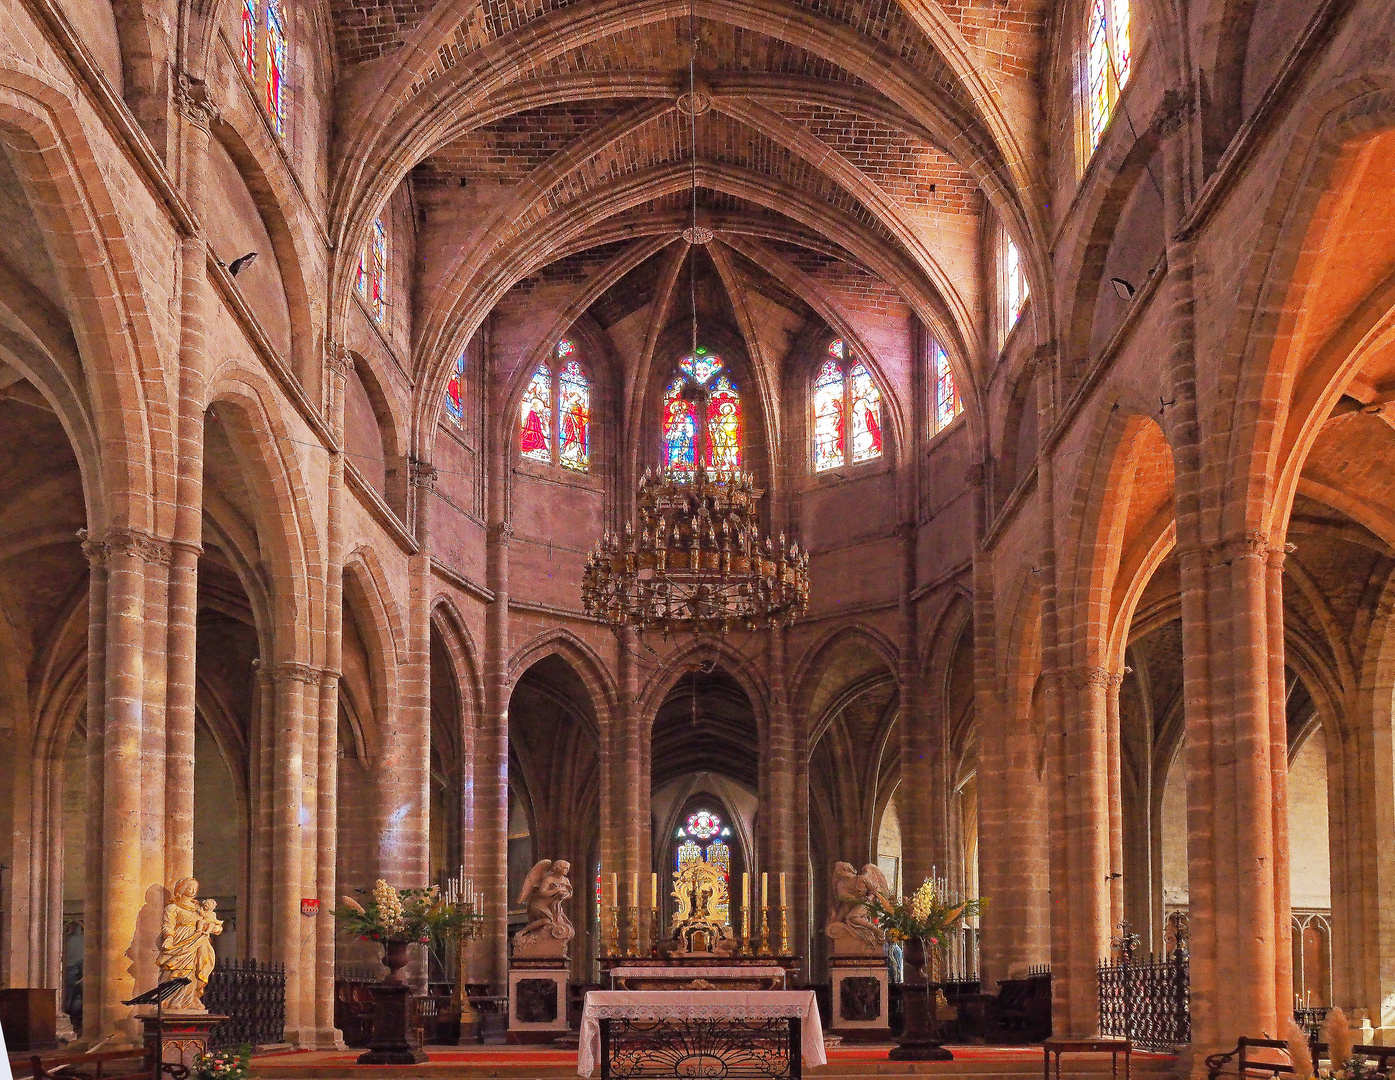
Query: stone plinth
{"x": 180, "y": 1038}
{"x": 537, "y": 999}
{"x": 861, "y": 1000}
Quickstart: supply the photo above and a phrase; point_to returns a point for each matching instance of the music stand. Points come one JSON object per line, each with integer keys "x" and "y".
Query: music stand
{"x": 157, "y": 996}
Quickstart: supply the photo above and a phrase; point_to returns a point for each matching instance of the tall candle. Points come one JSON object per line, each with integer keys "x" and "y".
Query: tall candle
{"x": 764, "y": 889}
{"x": 634, "y": 889}
{"x": 784, "y": 894}
{"x": 614, "y": 890}
{"x": 654, "y": 891}
{"x": 746, "y": 902}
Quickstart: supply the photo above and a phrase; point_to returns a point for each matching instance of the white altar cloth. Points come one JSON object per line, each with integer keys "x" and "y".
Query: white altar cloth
{"x": 697, "y": 1005}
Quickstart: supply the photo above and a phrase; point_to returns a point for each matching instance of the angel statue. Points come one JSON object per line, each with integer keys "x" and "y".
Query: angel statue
{"x": 850, "y": 925}
{"x": 546, "y": 889}
{"x": 185, "y": 948}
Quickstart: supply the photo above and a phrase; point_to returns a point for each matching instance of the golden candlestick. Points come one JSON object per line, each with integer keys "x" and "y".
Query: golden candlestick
{"x": 764, "y": 931}
{"x": 654, "y": 930}
{"x": 632, "y": 935}
{"x": 784, "y": 930}
{"x": 612, "y": 930}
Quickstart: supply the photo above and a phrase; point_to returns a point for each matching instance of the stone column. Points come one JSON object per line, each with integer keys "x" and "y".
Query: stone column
{"x": 118, "y": 882}
{"x": 629, "y": 829}
{"x": 94, "y": 853}
{"x": 1115, "y": 763}
{"x": 181, "y": 649}
{"x": 492, "y": 762}
{"x": 777, "y": 843}
{"x": 291, "y": 682}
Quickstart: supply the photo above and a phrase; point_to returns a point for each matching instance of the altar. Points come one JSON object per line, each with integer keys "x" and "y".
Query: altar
{"x": 731, "y": 973}
{"x": 753, "y": 1033}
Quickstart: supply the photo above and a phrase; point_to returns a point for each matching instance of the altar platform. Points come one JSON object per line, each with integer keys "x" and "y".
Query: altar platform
{"x": 544, "y": 1063}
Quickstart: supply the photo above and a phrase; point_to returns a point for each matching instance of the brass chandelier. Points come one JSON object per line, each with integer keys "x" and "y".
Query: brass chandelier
{"x": 697, "y": 563}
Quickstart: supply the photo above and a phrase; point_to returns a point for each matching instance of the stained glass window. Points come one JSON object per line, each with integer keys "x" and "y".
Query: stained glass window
{"x": 378, "y": 299}
{"x": 701, "y": 366}
{"x": 1123, "y": 51}
{"x": 705, "y": 837}
{"x": 455, "y": 401}
{"x": 536, "y": 442}
{"x": 1108, "y": 61}
{"x": 830, "y": 436}
{"x": 249, "y": 37}
{"x": 574, "y": 410}
{"x": 723, "y": 449}
{"x": 842, "y": 392}
{"x": 680, "y": 429}
{"x": 947, "y": 403}
{"x": 1016, "y": 281}
{"x": 1097, "y": 70}
{"x": 866, "y": 402}
{"x": 275, "y": 66}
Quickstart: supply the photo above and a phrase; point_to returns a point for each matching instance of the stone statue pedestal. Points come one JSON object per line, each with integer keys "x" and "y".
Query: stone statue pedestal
{"x": 538, "y": 998}
{"x": 861, "y": 1000}
{"x": 393, "y": 1042}
{"x": 180, "y": 1038}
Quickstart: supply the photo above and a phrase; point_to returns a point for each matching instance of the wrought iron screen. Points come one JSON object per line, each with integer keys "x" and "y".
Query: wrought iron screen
{"x": 701, "y": 1049}
{"x": 253, "y": 997}
{"x": 1147, "y": 1000}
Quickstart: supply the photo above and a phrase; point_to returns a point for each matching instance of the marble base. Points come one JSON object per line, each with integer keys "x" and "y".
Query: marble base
{"x": 538, "y": 999}
{"x": 860, "y": 997}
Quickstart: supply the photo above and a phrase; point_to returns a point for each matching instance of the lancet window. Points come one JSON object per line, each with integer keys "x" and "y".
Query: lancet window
{"x": 701, "y": 416}
{"x": 947, "y": 404}
{"x": 276, "y": 65}
{"x": 558, "y": 389}
{"x": 1014, "y": 284}
{"x": 1108, "y": 58}
{"x": 455, "y": 393}
{"x": 845, "y": 391}
{"x": 249, "y": 37}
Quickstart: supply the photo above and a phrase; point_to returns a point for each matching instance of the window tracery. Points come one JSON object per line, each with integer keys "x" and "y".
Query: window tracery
{"x": 700, "y": 416}
{"x": 562, "y": 390}
{"x": 249, "y": 37}
{"x": 845, "y": 391}
{"x": 378, "y": 270}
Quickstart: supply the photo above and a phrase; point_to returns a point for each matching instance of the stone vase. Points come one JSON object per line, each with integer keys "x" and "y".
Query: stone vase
{"x": 920, "y": 1038}
{"x": 395, "y": 958}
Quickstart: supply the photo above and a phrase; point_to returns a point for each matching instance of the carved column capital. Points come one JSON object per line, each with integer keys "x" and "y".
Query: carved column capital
{"x": 118, "y": 542}
{"x": 421, "y": 474}
{"x": 339, "y": 359}
{"x": 1172, "y": 112}
{"x": 501, "y": 532}
{"x": 290, "y": 671}
{"x": 192, "y": 99}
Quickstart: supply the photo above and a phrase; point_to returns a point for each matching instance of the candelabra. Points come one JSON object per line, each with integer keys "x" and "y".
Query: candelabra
{"x": 460, "y": 893}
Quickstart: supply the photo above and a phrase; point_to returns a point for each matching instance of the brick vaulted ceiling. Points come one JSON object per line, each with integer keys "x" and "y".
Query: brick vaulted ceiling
{"x": 847, "y": 140}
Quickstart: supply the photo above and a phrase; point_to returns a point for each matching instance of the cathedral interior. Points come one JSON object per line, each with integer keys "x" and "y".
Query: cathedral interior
{"x": 338, "y": 337}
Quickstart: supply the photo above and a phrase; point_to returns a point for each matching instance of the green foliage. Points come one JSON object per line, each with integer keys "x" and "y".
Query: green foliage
{"x": 923, "y": 916}
{"x": 223, "y": 1065}
{"x": 406, "y": 915}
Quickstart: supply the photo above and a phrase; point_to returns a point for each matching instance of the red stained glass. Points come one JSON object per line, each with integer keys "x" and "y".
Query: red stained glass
{"x": 723, "y": 450}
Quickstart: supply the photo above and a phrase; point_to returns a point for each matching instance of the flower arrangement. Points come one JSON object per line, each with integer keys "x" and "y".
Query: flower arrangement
{"x": 926, "y": 916}
{"x": 223, "y": 1065}
{"x": 406, "y": 915}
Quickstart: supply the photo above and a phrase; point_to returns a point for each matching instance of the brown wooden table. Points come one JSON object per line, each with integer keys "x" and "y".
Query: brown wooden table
{"x": 1112, "y": 1047}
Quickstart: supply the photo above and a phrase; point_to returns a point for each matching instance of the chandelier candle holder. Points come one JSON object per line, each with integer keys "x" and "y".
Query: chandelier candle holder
{"x": 697, "y": 563}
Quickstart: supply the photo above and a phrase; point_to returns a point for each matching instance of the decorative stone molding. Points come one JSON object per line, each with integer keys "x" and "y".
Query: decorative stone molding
{"x": 339, "y": 359}
{"x": 501, "y": 532}
{"x": 1172, "y": 112}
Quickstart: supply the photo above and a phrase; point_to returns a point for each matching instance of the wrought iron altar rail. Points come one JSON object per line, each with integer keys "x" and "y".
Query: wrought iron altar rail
{"x": 1147, "y": 1001}
{"x": 253, "y": 997}
{"x": 732, "y": 1049}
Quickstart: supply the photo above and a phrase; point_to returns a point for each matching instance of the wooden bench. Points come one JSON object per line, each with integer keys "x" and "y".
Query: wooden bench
{"x": 1112, "y": 1047}
{"x": 83, "y": 1066}
{"x": 1241, "y": 1061}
